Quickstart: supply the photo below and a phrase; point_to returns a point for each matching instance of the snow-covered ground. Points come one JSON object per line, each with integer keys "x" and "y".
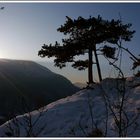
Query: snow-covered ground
{"x": 84, "y": 113}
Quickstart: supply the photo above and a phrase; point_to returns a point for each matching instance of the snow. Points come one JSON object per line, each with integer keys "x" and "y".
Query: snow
{"x": 72, "y": 116}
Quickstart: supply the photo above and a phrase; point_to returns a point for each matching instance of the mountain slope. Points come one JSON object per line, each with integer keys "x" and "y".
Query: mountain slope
{"x": 26, "y": 85}
{"x": 81, "y": 114}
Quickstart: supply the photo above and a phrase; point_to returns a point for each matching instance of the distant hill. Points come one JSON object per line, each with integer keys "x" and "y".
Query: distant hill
{"x": 80, "y": 85}
{"x": 26, "y": 85}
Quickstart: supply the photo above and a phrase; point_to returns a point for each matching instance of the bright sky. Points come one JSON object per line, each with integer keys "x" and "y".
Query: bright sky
{"x": 25, "y": 27}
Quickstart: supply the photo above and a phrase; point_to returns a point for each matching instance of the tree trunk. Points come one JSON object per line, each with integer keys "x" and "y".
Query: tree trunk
{"x": 98, "y": 65}
{"x": 90, "y": 74}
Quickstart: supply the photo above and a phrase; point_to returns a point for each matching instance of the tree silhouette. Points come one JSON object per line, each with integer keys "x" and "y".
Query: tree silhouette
{"x": 82, "y": 36}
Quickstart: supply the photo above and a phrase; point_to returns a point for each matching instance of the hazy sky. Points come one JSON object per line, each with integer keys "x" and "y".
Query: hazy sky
{"x": 25, "y": 27}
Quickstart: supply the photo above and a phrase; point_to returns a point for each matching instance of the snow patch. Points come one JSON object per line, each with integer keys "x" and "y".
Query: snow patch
{"x": 79, "y": 114}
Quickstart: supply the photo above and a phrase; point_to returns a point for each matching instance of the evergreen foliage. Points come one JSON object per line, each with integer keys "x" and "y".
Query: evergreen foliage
{"x": 82, "y": 36}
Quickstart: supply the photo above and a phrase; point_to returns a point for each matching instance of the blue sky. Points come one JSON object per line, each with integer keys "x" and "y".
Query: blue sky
{"x": 25, "y": 27}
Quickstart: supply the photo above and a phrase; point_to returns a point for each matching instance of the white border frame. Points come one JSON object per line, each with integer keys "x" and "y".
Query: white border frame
{"x": 71, "y": 1}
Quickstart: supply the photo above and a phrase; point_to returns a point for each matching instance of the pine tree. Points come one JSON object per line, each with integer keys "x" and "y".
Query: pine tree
{"x": 82, "y": 36}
